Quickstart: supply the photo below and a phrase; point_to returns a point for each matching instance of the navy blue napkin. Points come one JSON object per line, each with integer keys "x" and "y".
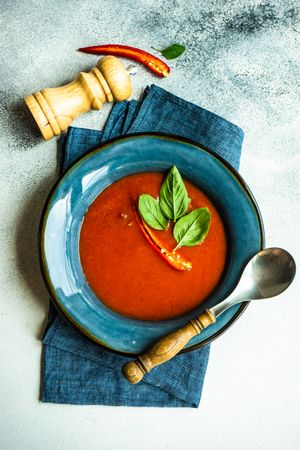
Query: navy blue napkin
{"x": 77, "y": 371}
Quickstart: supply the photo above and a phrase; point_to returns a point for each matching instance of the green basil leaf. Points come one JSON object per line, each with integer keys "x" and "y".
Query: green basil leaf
{"x": 173, "y": 197}
{"x": 151, "y": 213}
{"x": 173, "y": 51}
{"x": 192, "y": 229}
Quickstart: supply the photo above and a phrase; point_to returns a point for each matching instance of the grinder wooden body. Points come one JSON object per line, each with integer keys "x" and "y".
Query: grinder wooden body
{"x": 54, "y": 109}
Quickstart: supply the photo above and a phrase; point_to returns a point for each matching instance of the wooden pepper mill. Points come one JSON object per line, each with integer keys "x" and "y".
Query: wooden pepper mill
{"x": 54, "y": 109}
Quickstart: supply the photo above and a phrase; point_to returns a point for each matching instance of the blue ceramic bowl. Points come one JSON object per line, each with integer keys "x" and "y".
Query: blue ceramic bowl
{"x": 75, "y": 191}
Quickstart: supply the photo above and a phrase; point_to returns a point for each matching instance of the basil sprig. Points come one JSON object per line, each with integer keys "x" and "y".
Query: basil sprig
{"x": 173, "y": 197}
{"x": 151, "y": 212}
{"x": 192, "y": 229}
{"x": 172, "y": 52}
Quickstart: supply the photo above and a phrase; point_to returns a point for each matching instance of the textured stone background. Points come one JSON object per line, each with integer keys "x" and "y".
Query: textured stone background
{"x": 242, "y": 62}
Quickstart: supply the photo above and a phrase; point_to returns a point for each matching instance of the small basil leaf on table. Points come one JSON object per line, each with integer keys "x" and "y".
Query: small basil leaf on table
{"x": 173, "y": 198}
{"x": 151, "y": 213}
{"x": 173, "y": 51}
{"x": 192, "y": 229}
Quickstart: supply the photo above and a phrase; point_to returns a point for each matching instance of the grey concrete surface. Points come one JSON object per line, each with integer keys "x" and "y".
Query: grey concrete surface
{"x": 242, "y": 62}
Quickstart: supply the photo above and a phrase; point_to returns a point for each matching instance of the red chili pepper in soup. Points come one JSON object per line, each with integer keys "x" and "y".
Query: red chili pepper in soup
{"x": 174, "y": 259}
{"x": 153, "y": 63}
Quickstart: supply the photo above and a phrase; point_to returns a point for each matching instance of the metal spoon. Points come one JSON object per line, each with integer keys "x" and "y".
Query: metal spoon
{"x": 266, "y": 275}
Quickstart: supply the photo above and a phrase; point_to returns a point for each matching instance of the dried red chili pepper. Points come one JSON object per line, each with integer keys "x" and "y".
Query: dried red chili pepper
{"x": 153, "y": 63}
{"x": 174, "y": 259}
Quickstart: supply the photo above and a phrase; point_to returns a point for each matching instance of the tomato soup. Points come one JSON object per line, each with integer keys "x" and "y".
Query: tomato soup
{"x": 123, "y": 269}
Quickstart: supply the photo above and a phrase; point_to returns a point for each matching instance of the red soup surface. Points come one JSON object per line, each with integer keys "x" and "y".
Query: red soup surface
{"x": 126, "y": 273}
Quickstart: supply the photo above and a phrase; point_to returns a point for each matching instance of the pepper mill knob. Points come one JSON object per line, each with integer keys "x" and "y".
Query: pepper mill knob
{"x": 54, "y": 109}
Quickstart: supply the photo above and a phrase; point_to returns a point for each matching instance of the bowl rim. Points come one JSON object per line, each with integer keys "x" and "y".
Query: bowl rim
{"x": 41, "y": 230}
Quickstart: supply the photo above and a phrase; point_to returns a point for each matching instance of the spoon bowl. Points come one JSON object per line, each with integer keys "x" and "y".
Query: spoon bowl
{"x": 272, "y": 271}
{"x": 267, "y": 274}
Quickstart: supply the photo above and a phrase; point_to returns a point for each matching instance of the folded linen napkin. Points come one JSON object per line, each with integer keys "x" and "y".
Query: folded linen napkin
{"x": 78, "y": 371}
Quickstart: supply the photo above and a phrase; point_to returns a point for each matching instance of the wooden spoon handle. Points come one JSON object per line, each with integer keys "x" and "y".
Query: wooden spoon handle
{"x": 166, "y": 348}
